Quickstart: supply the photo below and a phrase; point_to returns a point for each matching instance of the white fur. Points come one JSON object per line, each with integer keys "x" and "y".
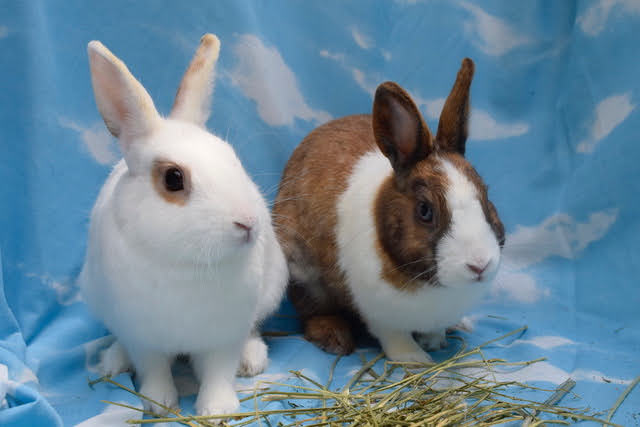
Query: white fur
{"x": 193, "y": 98}
{"x": 470, "y": 239}
{"x": 114, "y": 360}
{"x": 254, "y": 357}
{"x": 392, "y": 314}
{"x": 167, "y": 278}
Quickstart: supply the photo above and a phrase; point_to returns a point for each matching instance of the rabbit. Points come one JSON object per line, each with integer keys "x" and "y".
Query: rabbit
{"x": 182, "y": 257}
{"x": 384, "y": 225}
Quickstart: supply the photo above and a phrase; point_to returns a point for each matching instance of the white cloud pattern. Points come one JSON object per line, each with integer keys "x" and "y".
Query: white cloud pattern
{"x": 594, "y": 19}
{"x": 483, "y": 127}
{"x": 98, "y": 141}
{"x": 263, "y": 76}
{"x": 609, "y": 113}
{"x": 362, "y": 40}
{"x": 490, "y": 34}
{"x": 67, "y": 291}
{"x": 364, "y": 81}
{"x": 559, "y": 235}
{"x": 547, "y": 342}
{"x": 334, "y": 56}
{"x": 546, "y": 372}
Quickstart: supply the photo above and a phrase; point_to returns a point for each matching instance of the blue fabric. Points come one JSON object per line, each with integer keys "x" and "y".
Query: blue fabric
{"x": 554, "y": 133}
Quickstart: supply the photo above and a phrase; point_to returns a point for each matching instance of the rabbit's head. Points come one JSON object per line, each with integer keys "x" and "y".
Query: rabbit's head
{"x": 435, "y": 221}
{"x": 185, "y": 195}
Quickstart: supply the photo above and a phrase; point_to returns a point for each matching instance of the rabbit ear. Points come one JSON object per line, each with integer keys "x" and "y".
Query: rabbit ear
{"x": 398, "y": 127}
{"x": 193, "y": 99}
{"x": 126, "y": 107}
{"x": 453, "y": 127}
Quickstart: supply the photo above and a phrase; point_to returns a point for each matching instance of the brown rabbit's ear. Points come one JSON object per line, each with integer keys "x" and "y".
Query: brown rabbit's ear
{"x": 398, "y": 127}
{"x": 453, "y": 127}
{"x": 193, "y": 99}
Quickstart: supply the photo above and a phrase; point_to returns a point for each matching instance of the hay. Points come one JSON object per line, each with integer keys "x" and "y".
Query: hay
{"x": 460, "y": 391}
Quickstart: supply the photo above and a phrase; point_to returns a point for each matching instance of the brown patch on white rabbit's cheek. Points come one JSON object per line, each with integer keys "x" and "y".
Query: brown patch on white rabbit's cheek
{"x": 158, "y": 171}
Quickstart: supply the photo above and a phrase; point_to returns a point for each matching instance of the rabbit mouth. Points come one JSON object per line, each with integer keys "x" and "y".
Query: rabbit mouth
{"x": 246, "y": 230}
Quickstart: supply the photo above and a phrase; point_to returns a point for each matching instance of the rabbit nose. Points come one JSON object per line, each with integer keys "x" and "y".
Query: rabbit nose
{"x": 478, "y": 269}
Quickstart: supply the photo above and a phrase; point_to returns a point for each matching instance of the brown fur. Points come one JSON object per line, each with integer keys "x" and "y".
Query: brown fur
{"x": 318, "y": 173}
{"x": 331, "y": 333}
{"x": 399, "y": 129}
{"x": 453, "y": 125}
{"x": 157, "y": 177}
{"x": 305, "y": 216}
{"x": 406, "y": 245}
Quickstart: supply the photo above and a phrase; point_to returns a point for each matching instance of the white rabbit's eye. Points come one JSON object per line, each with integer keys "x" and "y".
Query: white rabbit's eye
{"x": 173, "y": 179}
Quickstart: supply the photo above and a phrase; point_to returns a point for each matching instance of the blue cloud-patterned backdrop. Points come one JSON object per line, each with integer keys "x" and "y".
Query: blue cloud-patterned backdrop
{"x": 554, "y": 133}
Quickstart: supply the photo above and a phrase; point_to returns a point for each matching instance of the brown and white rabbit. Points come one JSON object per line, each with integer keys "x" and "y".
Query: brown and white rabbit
{"x": 381, "y": 222}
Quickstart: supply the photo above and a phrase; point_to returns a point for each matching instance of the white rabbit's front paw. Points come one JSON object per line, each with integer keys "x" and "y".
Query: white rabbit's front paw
{"x": 254, "y": 357}
{"x": 162, "y": 391}
{"x": 222, "y": 401}
{"x": 114, "y": 360}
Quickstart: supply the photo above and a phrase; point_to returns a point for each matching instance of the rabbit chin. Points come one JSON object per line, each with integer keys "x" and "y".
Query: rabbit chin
{"x": 221, "y": 249}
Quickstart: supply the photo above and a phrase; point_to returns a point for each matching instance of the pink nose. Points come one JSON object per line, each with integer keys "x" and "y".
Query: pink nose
{"x": 477, "y": 269}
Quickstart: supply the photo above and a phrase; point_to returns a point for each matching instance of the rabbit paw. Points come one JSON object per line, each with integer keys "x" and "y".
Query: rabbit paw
{"x": 254, "y": 357}
{"x": 221, "y": 402}
{"x": 161, "y": 391}
{"x": 114, "y": 360}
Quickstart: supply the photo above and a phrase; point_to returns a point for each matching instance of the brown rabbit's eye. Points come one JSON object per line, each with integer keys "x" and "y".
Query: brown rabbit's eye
{"x": 173, "y": 179}
{"x": 425, "y": 212}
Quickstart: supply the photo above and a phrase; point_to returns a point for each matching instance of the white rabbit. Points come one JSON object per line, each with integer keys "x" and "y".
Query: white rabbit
{"x": 182, "y": 257}
{"x": 385, "y": 224}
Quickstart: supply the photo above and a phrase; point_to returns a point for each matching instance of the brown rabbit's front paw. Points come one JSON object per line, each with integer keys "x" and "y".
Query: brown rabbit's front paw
{"x": 331, "y": 333}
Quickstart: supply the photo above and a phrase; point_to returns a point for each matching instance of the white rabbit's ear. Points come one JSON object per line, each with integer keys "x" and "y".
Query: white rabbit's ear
{"x": 193, "y": 100}
{"x": 125, "y": 106}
